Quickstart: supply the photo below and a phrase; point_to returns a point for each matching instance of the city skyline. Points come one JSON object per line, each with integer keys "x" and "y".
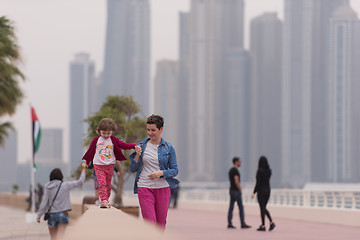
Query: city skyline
{"x": 306, "y": 152}
{"x": 47, "y": 50}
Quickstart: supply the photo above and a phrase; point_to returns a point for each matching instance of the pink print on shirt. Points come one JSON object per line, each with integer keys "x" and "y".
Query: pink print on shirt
{"x": 105, "y": 151}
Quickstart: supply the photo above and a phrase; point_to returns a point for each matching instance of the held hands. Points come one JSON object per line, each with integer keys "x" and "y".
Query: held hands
{"x": 156, "y": 174}
{"x": 138, "y": 150}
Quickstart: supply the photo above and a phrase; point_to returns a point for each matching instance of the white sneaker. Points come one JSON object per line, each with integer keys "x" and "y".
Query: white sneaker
{"x": 105, "y": 204}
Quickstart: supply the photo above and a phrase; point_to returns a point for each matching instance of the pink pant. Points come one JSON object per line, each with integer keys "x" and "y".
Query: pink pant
{"x": 104, "y": 175}
{"x": 154, "y": 204}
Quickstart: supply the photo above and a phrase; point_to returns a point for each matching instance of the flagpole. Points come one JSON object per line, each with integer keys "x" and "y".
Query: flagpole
{"x": 32, "y": 172}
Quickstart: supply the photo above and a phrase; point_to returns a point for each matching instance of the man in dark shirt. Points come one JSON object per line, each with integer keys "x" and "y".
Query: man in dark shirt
{"x": 235, "y": 194}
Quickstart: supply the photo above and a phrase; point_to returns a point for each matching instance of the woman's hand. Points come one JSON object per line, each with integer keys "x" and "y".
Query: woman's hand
{"x": 253, "y": 195}
{"x": 156, "y": 174}
{"x": 138, "y": 150}
{"x": 38, "y": 220}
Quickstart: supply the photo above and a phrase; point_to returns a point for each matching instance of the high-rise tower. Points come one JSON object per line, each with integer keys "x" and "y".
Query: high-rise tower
{"x": 344, "y": 72}
{"x": 216, "y": 30}
{"x": 266, "y": 49}
{"x": 127, "y": 51}
{"x": 304, "y": 88}
{"x": 82, "y": 75}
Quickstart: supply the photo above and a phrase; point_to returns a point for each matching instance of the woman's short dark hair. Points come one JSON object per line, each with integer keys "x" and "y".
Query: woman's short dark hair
{"x": 56, "y": 174}
{"x": 157, "y": 120}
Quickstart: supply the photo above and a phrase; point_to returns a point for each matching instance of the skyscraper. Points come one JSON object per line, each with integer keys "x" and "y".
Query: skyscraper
{"x": 216, "y": 29}
{"x": 82, "y": 74}
{"x": 166, "y": 96}
{"x": 182, "y": 146}
{"x": 344, "y": 98}
{"x": 127, "y": 51}
{"x": 50, "y": 155}
{"x": 323, "y": 10}
{"x": 266, "y": 52}
{"x": 304, "y": 88}
{"x": 235, "y": 123}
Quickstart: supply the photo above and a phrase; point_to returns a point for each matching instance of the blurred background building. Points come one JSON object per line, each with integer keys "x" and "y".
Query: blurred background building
{"x": 127, "y": 51}
{"x": 292, "y": 95}
{"x": 82, "y": 95}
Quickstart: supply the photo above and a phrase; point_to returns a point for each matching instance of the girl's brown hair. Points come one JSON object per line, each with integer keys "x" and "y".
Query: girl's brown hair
{"x": 106, "y": 124}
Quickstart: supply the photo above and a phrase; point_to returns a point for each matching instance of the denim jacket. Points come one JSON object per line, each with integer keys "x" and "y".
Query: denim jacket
{"x": 167, "y": 162}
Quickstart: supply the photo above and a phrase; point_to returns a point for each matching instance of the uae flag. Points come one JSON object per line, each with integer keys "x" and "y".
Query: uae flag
{"x": 36, "y": 134}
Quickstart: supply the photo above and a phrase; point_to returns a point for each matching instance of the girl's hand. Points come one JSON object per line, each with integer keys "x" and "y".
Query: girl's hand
{"x": 38, "y": 220}
{"x": 156, "y": 174}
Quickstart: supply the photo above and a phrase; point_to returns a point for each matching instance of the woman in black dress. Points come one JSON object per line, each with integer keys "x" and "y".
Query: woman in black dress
{"x": 262, "y": 188}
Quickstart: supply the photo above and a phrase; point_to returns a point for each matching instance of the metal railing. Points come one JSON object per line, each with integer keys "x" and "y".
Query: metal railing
{"x": 284, "y": 197}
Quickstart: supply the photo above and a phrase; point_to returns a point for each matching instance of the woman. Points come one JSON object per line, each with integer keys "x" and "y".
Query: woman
{"x": 156, "y": 166}
{"x": 262, "y": 188}
{"x": 59, "y": 217}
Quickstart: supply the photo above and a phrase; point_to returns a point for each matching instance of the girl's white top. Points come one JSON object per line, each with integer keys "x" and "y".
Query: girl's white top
{"x": 104, "y": 153}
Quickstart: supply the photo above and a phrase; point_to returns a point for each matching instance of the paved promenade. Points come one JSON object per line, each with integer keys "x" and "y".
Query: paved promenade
{"x": 192, "y": 224}
{"x": 13, "y": 226}
{"x": 211, "y": 225}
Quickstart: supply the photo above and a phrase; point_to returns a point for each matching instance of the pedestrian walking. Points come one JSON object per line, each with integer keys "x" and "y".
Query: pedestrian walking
{"x": 57, "y": 202}
{"x": 156, "y": 167}
{"x": 262, "y": 188}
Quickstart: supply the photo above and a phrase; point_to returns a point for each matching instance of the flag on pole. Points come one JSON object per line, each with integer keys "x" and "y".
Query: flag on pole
{"x": 36, "y": 134}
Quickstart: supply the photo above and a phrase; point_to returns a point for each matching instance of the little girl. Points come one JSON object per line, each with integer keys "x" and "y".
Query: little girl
{"x": 104, "y": 150}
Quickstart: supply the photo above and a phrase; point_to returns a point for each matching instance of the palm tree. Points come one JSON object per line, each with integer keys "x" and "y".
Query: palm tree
{"x": 10, "y": 91}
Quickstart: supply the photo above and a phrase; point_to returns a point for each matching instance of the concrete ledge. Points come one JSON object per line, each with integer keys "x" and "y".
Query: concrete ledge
{"x": 97, "y": 223}
{"x": 347, "y": 217}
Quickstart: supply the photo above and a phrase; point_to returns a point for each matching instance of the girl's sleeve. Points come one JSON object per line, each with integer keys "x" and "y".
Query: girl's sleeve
{"x": 126, "y": 146}
{"x": 88, "y": 156}
{"x": 44, "y": 205}
{"x": 134, "y": 166}
{"x": 173, "y": 168}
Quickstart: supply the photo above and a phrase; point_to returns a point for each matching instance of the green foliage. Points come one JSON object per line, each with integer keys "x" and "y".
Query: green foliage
{"x": 10, "y": 92}
{"x": 123, "y": 110}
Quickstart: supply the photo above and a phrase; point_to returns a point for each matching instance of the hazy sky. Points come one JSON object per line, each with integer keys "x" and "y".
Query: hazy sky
{"x": 50, "y": 32}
